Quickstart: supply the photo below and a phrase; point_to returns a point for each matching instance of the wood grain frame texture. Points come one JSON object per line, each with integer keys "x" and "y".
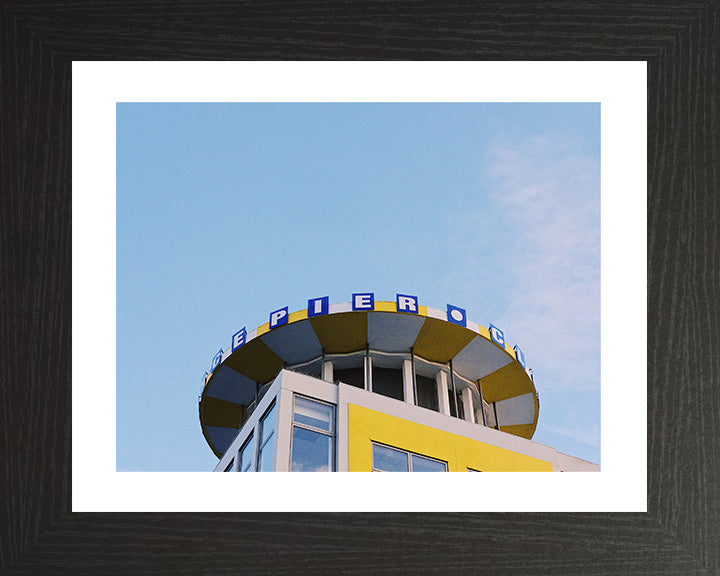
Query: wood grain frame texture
{"x": 680, "y": 534}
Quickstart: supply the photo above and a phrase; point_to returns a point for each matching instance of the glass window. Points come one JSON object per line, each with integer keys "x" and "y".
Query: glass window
{"x": 313, "y": 436}
{"x": 451, "y": 401}
{"x": 267, "y": 424}
{"x": 312, "y": 368}
{"x": 267, "y": 441}
{"x": 265, "y": 459}
{"x": 461, "y": 407}
{"x": 388, "y": 459}
{"x": 349, "y": 368}
{"x": 388, "y": 382}
{"x": 262, "y": 391}
{"x": 423, "y": 464}
{"x": 311, "y": 452}
{"x": 246, "y": 455}
{"x": 353, "y": 376}
{"x": 313, "y": 414}
{"x": 426, "y": 392}
{"x": 229, "y": 467}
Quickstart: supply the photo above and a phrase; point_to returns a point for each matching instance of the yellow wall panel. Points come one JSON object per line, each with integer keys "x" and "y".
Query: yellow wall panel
{"x": 366, "y": 426}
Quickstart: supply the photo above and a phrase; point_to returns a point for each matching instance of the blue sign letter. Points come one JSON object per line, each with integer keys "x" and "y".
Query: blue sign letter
{"x": 407, "y": 303}
{"x": 279, "y": 317}
{"x": 216, "y": 360}
{"x": 238, "y": 339}
{"x": 497, "y": 336}
{"x": 363, "y": 301}
{"x": 318, "y": 306}
{"x": 456, "y": 315}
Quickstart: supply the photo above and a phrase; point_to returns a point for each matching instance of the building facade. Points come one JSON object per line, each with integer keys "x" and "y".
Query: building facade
{"x": 374, "y": 386}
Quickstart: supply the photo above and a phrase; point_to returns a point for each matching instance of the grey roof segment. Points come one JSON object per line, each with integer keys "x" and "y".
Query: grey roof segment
{"x": 294, "y": 343}
{"x": 479, "y": 358}
{"x": 393, "y": 332}
{"x": 221, "y": 437}
{"x": 231, "y": 386}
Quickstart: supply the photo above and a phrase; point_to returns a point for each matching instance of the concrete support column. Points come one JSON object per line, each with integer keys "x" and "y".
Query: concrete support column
{"x": 469, "y": 413}
{"x": 408, "y": 388}
{"x": 442, "y": 391}
{"x": 482, "y": 404}
{"x": 367, "y": 364}
{"x": 327, "y": 371}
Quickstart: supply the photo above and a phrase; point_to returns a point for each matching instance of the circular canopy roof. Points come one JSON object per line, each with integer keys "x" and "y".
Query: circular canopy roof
{"x": 429, "y": 334}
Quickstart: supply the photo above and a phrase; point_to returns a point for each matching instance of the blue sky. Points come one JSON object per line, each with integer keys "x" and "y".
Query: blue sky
{"x": 226, "y": 212}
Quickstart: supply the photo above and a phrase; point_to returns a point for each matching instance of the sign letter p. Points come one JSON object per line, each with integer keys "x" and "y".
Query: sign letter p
{"x": 279, "y": 317}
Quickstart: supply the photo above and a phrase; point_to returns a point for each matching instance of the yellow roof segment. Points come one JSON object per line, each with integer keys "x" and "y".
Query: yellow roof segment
{"x": 440, "y": 341}
{"x": 343, "y": 332}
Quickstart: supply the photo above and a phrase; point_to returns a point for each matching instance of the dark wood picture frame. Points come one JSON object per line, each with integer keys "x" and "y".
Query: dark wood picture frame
{"x": 680, "y": 533}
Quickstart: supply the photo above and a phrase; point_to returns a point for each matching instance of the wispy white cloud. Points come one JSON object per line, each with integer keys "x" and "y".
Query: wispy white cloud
{"x": 579, "y": 433}
{"x": 549, "y": 193}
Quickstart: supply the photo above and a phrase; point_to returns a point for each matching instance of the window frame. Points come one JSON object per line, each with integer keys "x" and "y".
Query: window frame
{"x": 261, "y": 431}
{"x": 427, "y": 458}
{"x": 251, "y": 465}
{"x": 409, "y": 454}
{"x": 331, "y": 433}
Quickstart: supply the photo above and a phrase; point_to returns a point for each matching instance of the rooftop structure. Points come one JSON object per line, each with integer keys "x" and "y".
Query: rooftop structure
{"x": 374, "y": 385}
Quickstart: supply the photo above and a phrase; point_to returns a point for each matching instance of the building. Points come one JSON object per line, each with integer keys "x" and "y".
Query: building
{"x": 369, "y": 385}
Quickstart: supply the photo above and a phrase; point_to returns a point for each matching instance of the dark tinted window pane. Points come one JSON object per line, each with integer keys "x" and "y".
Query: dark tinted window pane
{"x": 451, "y": 401}
{"x": 313, "y": 369}
{"x": 353, "y": 376}
{"x": 389, "y": 460}
{"x": 461, "y": 410}
{"x": 262, "y": 391}
{"x": 422, "y": 464}
{"x": 311, "y": 451}
{"x": 426, "y": 392}
{"x": 388, "y": 382}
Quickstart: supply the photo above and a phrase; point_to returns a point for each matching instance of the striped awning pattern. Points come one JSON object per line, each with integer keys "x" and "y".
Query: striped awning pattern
{"x": 494, "y": 369}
